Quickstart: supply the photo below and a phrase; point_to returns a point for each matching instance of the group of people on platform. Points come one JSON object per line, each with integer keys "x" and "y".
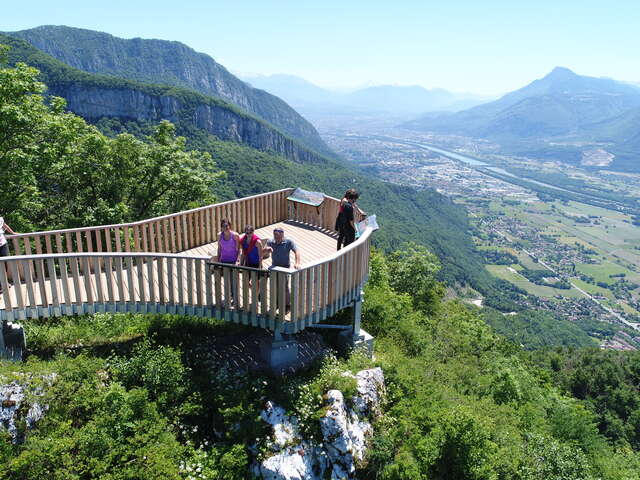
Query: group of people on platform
{"x": 248, "y": 249}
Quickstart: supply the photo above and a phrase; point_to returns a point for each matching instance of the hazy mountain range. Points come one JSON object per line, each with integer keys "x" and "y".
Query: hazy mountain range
{"x": 400, "y": 100}
{"x": 559, "y": 116}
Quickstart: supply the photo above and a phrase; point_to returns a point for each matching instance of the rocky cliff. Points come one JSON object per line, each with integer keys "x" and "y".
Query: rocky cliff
{"x": 98, "y": 96}
{"x": 170, "y": 63}
{"x": 95, "y": 102}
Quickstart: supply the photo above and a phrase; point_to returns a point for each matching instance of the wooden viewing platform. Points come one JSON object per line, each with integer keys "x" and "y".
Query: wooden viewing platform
{"x": 163, "y": 265}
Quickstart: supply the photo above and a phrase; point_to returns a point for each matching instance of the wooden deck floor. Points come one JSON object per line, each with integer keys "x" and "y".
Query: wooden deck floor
{"x": 313, "y": 243}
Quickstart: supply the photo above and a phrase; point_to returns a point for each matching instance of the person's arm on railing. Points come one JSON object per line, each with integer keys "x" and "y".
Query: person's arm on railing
{"x": 8, "y": 229}
{"x": 296, "y": 253}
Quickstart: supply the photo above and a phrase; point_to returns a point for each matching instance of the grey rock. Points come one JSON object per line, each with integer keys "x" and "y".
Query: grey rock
{"x": 14, "y": 400}
{"x": 345, "y": 430}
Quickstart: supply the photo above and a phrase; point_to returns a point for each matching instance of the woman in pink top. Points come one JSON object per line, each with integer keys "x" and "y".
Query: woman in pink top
{"x": 228, "y": 252}
{"x": 228, "y": 244}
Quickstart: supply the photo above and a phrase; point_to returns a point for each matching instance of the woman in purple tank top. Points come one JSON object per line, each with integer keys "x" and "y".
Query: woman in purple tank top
{"x": 228, "y": 244}
{"x": 228, "y": 252}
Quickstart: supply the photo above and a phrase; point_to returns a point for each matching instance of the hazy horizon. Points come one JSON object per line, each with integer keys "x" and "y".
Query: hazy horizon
{"x": 481, "y": 48}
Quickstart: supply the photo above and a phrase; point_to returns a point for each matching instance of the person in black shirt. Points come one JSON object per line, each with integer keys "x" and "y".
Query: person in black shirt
{"x": 347, "y": 231}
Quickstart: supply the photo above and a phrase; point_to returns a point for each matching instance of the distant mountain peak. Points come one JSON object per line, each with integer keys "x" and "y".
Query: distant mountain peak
{"x": 561, "y": 73}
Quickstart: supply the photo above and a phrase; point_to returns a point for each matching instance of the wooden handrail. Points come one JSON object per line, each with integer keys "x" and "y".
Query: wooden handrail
{"x": 171, "y": 233}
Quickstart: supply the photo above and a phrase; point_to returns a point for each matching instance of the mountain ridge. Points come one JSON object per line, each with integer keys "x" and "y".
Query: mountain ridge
{"x": 562, "y": 105}
{"x": 408, "y": 99}
{"x": 167, "y": 62}
{"x": 93, "y": 96}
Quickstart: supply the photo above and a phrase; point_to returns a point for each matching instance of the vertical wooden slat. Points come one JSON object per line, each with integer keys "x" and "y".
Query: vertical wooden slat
{"x": 190, "y": 299}
{"x": 68, "y": 242}
{"x": 208, "y": 278}
{"x": 15, "y": 241}
{"x": 98, "y": 279}
{"x": 151, "y": 279}
{"x": 28, "y": 278}
{"x": 17, "y": 287}
{"x": 87, "y": 280}
{"x": 126, "y": 231}
{"x": 26, "y": 241}
{"x": 88, "y": 235}
{"x": 317, "y": 299}
{"x": 159, "y": 236}
{"x": 199, "y": 290}
{"x": 74, "y": 263}
{"x": 131, "y": 281}
{"x": 108, "y": 270}
{"x": 264, "y": 301}
{"x": 170, "y": 282}
{"x": 99, "y": 240}
{"x": 4, "y": 283}
{"x": 310, "y": 289}
{"x": 64, "y": 279}
{"x": 142, "y": 288}
{"x": 120, "y": 279}
{"x": 273, "y": 292}
{"x": 53, "y": 283}
{"x": 246, "y": 308}
{"x": 185, "y": 233}
{"x": 136, "y": 238}
{"x": 226, "y": 273}
{"x": 116, "y": 233}
{"x": 59, "y": 248}
{"x": 166, "y": 235}
{"x": 107, "y": 239}
{"x": 172, "y": 235}
{"x": 151, "y": 237}
{"x": 282, "y": 295}
{"x": 47, "y": 242}
{"x": 218, "y": 287}
{"x": 160, "y": 261}
{"x": 144, "y": 246}
{"x": 179, "y": 272}
{"x": 295, "y": 296}
{"x": 254, "y": 298}
{"x": 42, "y": 282}
{"x": 79, "y": 246}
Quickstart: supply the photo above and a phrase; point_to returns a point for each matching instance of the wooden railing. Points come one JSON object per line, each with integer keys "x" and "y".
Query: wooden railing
{"x": 113, "y": 275}
{"x": 167, "y": 234}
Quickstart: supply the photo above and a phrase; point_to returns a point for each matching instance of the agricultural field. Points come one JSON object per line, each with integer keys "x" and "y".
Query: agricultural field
{"x": 594, "y": 249}
{"x": 510, "y": 274}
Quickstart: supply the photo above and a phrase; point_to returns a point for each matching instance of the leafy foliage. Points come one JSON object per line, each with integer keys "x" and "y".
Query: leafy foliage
{"x": 467, "y": 404}
{"x": 58, "y": 171}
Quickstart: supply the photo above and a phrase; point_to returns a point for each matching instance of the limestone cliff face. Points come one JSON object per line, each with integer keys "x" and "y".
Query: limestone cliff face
{"x": 169, "y": 63}
{"x": 94, "y": 102}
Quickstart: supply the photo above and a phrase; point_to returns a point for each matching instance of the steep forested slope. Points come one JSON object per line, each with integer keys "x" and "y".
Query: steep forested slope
{"x": 170, "y": 63}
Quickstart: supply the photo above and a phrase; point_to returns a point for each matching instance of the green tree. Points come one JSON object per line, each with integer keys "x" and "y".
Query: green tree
{"x": 58, "y": 171}
{"x": 413, "y": 270}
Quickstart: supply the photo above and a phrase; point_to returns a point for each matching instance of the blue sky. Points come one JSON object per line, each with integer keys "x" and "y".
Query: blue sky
{"x": 480, "y": 46}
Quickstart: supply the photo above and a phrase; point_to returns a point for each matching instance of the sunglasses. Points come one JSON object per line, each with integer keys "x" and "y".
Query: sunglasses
{"x": 278, "y": 230}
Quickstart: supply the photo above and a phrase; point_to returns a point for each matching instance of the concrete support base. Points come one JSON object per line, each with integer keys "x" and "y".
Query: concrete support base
{"x": 364, "y": 342}
{"x": 279, "y": 354}
{"x": 12, "y": 342}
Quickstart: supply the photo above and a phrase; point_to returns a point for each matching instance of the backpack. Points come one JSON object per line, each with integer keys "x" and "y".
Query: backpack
{"x": 340, "y": 222}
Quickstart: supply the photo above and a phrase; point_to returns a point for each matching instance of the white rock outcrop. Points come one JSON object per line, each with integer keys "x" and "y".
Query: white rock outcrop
{"x": 345, "y": 428}
{"x": 13, "y": 402}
